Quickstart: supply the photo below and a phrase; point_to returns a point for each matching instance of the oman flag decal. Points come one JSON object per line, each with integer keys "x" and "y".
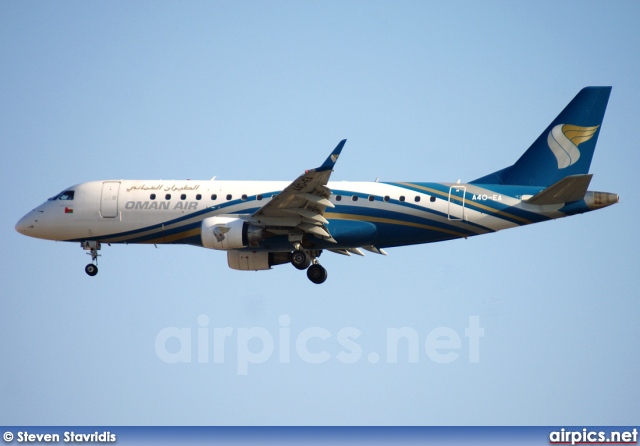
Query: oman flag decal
{"x": 68, "y": 210}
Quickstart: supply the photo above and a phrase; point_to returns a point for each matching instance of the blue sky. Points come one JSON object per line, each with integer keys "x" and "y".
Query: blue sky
{"x": 423, "y": 91}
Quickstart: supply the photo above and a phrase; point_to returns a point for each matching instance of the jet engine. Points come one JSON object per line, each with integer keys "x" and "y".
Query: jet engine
{"x": 230, "y": 233}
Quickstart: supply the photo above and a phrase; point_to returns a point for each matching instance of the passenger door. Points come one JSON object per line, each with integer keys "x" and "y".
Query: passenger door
{"x": 109, "y": 199}
{"x": 457, "y": 202}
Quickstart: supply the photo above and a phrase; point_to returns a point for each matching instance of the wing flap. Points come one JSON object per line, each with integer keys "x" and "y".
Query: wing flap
{"x": 314, "y": 229}
{"x": 308, "y": 214}
{"x": 375, "y": 250}
{"x": 317, "y": 199}
{"x": 348, "y": 251}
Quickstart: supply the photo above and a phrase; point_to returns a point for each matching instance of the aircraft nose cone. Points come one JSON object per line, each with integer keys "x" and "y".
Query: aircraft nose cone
{"x": 25, "y": 224}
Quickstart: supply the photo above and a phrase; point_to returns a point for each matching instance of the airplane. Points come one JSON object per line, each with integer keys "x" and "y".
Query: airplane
{"x": 261, "y": 224}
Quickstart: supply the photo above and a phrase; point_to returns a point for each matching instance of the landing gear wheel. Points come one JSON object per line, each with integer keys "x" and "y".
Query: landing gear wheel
{"x": 300, "y": 259}
{"x": 91, "y": 269}
{"x": 317, "y": 274}
{"x": 93, "y": 247}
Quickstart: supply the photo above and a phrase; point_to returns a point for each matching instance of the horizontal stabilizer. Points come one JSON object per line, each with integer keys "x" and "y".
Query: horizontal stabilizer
{"x": 571, "y": 188}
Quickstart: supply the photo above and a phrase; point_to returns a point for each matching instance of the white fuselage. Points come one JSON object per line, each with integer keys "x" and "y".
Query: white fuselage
{"x": 110, "y": 210}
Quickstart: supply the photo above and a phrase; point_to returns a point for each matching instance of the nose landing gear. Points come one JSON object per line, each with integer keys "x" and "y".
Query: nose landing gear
{"x": 93, "y": 247}
{"x": 91, "y": 269}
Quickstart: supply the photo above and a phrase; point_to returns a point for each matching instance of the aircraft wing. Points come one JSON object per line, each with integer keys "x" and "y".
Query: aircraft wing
{"x": 302, "y": 203}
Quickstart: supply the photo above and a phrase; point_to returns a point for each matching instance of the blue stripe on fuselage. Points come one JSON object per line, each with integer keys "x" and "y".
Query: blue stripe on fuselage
{"x": 389, "y": 222}
{"x": 494, "y": 208}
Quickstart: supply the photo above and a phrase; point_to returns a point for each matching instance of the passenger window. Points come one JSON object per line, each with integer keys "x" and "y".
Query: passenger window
{"x": 371, "y": 198}
{"x": 67, "y": 195}
{"x": 401, "y": 197}
{"x": 417, "y": 199}
{"x": 167, "y": 197}
{"x": 432, "y": 199}
{"x": 354, "y": 198}
{"x": 198, "y": 197}
{"x": 229, "y": 196}
{"x": 183, "y": 196}
{"x": 244, "y": 197}
{"x": 259, "y": 197}
{"x": 152, "y": 196}
{"x": 214, "y": 197}
{"x": 338, "y": 197}
{"x": 387, "y": 198}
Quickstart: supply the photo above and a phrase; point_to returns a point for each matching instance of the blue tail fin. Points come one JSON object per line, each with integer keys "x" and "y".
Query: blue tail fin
{"x": 565, "y": 147}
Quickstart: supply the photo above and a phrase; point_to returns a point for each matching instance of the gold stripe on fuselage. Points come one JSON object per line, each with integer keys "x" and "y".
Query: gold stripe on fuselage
{"x": 481, "y": 206}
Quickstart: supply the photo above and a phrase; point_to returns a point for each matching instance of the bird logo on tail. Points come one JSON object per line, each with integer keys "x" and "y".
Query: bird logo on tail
{"x": 564, "y": 140}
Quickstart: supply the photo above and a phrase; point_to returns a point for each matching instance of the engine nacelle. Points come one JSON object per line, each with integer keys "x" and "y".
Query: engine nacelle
{"x": 229, "y": 233}
{"x": 256, "y": 261}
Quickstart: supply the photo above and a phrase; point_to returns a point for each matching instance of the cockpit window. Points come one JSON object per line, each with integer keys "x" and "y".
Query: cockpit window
{"x": 66, "y": 195}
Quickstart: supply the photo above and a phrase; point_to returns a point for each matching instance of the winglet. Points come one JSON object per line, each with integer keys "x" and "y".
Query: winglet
{"x": 331, "y": 160}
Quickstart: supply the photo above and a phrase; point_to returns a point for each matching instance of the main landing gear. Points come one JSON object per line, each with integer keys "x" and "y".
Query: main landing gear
{"x": 93, "y": 247}
{"x": 308, "y": 260}
{"x": 316, "y": 273}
